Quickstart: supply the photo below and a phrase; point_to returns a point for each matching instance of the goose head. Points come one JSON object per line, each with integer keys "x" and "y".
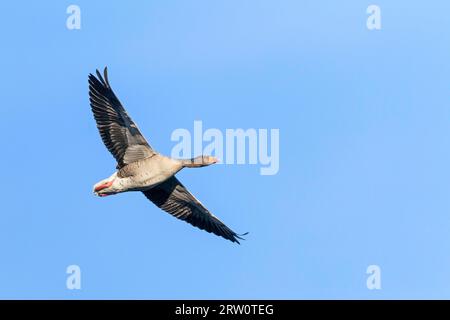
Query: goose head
{"x": 200, "y": 161}
{"x": 105, "y": 187}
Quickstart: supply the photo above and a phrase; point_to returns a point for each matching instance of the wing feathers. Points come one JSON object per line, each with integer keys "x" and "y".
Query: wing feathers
{"x": 119, "y": 133}
{"x": 174, "y": 198}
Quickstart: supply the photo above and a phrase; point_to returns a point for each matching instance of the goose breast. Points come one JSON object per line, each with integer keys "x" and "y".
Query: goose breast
{"x": 147, "y": 173}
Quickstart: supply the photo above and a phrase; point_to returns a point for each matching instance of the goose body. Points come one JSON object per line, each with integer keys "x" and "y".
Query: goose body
{"x": 140, "y": 168}
{"x": 140, "y": 175}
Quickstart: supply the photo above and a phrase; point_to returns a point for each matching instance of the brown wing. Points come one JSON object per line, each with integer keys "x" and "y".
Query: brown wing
{"x": 119, "y": 133}
{"x": 174, "y": 198}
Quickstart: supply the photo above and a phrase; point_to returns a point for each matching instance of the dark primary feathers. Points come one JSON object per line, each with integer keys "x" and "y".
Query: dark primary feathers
{"x": 119, "y": 133}
{"x": 174, "y": 198}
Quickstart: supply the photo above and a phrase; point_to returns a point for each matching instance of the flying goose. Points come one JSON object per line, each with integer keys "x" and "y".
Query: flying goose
{"x": 141, "y": 168}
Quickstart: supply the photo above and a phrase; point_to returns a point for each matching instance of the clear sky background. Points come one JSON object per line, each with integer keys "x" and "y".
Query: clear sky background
{"x": 364, "y": 119}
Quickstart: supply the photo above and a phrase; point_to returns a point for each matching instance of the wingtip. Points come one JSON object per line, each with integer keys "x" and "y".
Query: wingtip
{"x": 239, "y": 236}
{"x": 105, "y": 73}
{"x": 98, "y": 76}
{"x": 103, "y": 79}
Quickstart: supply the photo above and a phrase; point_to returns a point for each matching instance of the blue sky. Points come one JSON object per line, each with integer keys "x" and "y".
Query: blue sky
{"x": 364, "y": 124}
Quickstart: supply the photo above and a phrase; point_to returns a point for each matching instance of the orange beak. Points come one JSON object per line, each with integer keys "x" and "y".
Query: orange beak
{"x": 103, "y": 186}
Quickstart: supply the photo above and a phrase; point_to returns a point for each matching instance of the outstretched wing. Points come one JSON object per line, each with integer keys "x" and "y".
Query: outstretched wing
{"x": 174, "y": 198}
{"x": 119, "y": 133}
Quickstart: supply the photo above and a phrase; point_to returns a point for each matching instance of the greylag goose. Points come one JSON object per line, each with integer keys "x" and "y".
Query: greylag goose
{"x": 141, "y": 168}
